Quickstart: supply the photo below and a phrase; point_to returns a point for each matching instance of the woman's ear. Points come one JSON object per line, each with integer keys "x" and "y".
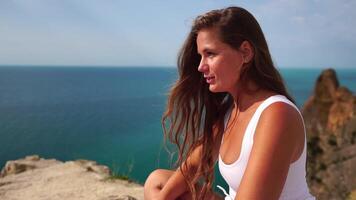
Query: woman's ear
{"x": 247, "y": 51}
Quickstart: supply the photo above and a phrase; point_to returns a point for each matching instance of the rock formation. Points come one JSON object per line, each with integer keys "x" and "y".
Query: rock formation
{"x": 330, "y": 120}
{"x": 36, "y": 178}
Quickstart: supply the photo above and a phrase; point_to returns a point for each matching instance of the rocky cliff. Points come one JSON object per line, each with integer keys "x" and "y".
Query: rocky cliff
{"x": 330, "y": 120}
{"x": 36, "y": 178}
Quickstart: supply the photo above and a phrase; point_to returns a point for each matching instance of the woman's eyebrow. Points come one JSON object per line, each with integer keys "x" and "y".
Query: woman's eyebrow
{"x": 206, "y": 49}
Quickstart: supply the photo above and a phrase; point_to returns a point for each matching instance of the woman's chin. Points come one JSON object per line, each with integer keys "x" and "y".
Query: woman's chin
{"x": 214, "y": 89}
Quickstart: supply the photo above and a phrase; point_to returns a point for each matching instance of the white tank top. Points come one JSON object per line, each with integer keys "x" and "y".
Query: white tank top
{"x": 295, "y": 187}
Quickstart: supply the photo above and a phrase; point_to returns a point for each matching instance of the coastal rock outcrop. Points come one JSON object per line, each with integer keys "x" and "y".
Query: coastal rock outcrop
{"x": 330, "y": 121}
{"x": 36, "y": 178}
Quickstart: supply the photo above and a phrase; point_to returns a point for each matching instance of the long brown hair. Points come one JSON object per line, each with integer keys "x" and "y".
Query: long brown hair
{"x": 195, "y": 116}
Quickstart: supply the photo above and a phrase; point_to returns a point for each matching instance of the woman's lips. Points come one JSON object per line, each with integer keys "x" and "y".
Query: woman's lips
{"x": 210, "y": 79}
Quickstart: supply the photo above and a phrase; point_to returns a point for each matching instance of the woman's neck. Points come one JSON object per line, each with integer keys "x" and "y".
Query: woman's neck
{"x": 244, "y": 99}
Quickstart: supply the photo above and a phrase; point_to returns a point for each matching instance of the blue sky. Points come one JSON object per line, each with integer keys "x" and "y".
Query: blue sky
{"x": 300, "y": 33}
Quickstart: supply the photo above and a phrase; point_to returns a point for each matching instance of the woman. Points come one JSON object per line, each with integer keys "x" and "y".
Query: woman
{"x": 230, "y": 105}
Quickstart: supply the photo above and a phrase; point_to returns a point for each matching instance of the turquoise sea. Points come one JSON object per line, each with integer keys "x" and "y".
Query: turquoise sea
{"x": 110, "y": 115}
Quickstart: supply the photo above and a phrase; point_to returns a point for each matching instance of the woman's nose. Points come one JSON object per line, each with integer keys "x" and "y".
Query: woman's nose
{"x": 202, "y": 66}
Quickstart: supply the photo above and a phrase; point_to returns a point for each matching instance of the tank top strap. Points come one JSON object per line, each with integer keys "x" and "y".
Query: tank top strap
{"x": 270, "y": 100}
{"x": 250, "y": 129}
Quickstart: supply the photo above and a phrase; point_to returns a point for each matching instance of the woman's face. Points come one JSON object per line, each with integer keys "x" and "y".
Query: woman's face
{"x": 220, "y": 63}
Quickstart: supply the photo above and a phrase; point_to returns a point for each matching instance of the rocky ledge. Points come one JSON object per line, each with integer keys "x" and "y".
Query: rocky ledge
{"x": 36, "y": 178}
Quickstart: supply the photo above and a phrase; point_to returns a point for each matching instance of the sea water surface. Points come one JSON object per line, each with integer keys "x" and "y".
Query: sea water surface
{"x": 107, "y": 114}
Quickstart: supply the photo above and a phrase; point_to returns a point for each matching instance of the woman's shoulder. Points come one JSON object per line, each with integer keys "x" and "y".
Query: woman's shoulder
{"x": 279, "y": 108}
{"x": 279, "y": 102}
{"x": 279, "y": 119}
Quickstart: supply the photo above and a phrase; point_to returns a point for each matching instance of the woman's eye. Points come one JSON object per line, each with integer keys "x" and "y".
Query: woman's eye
{"x": 210, "y": 54}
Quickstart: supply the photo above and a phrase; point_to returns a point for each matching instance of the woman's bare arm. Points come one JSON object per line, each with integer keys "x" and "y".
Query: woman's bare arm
{"x": 176, "y": 184}
{"x": 277, "y": 134}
